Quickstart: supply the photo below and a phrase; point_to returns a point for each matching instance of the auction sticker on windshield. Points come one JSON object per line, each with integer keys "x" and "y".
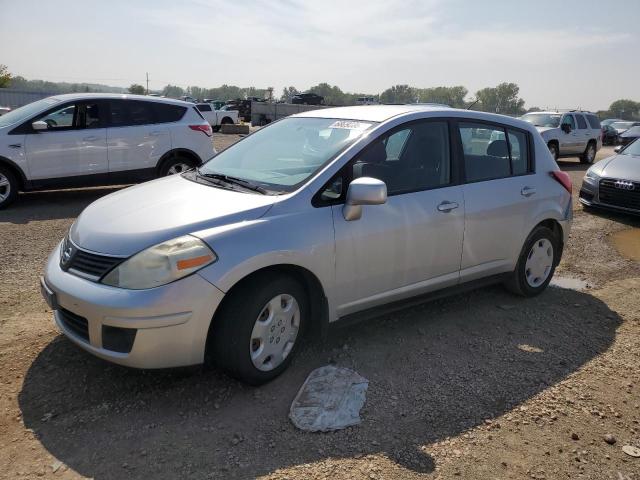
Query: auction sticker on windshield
{"x": 350, "y": 125}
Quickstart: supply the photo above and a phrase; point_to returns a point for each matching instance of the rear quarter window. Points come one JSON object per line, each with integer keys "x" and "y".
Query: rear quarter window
{"x": 593, "y": 121}
{"x": 204, "y": 107}
{"x": 166, "y": 113}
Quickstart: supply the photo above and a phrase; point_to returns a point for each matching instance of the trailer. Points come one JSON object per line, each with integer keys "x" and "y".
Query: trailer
{"x": 263, "y": 112}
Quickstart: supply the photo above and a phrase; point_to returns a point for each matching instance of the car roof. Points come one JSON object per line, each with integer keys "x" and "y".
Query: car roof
{"x": 69, "y": 97}
{"x": 371, "y": 113}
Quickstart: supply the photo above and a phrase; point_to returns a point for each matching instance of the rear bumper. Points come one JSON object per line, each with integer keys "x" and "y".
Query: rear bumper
{"x": 170, "y": 323}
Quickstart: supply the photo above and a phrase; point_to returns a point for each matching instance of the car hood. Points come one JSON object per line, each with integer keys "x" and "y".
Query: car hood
{"x": 621, "y": 166}
{"x": 545, "y": 129}
{"x": 130, "y": 220}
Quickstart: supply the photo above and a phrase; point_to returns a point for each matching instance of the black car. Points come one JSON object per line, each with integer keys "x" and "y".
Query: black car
{"x": 609, "y": 135}
{"x": 629, "y": 136}
{"x": 307, "y": 99}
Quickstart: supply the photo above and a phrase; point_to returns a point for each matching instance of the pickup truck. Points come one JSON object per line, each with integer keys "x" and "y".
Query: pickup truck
{"x": 217, "y": 117}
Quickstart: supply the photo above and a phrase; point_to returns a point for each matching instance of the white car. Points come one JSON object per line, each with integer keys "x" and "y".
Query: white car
{"x": 569, "y": 134}
{"x": 217, "y": 117}
{"x": 79, "y": 140}
{"x": 4, "y": 110}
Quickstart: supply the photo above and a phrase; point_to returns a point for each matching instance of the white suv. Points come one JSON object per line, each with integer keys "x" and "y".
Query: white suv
{"x": 79, "y": 140}
{"x": 569, "y": 134}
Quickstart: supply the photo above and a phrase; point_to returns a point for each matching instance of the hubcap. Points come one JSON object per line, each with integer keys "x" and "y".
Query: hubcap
{"x": 5, "y": 188}
{"x": 274, "y": 333}
{"x": 178, "y": 168}
{"x": 539, "y": 262}
{"x": 591, "y": 153}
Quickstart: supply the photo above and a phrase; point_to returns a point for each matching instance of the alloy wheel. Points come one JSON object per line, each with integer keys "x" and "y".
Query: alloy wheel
{"x": 178, "y": 168}
{"x": 5, "y": 188}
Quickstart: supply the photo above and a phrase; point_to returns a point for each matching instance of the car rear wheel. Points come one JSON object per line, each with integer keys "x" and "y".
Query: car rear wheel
{"x": 259, "y": 328}
{"x": 175, "y": 166}
{"x": 8, "y": 187}
{"x": 553, "y": 148}
{"x": 537, "y": 263}
{"x": 589, "y": 154}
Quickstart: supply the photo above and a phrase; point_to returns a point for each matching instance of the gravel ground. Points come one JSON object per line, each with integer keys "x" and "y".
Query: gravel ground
{"x": 480, "y": 386}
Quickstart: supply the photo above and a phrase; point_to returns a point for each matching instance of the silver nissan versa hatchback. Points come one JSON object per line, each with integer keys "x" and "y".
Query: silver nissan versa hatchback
{"x": 317, "y": 217}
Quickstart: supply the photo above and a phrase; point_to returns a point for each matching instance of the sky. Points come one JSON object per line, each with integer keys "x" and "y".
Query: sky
{"x": 562, "y": 54}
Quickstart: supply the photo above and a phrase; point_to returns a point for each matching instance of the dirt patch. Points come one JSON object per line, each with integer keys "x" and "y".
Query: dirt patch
{"x": 481, "y": 385}
{"x": 627, "y": 242}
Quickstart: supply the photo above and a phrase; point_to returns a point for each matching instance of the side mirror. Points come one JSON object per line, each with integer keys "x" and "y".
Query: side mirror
{"x": 618, "y": 149}
{"x": 566, "y": 128}
{"x": 363, "y": 191}
{"x": 40, "y": 125}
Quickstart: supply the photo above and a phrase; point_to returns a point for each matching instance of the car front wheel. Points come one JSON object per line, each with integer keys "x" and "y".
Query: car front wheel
{"x": 537, "y": 262}
{"x": 553, "y": 148}
{"x": 176, "y": 165}
{"x": 8, "y": 187}
{"x": 259, "y": 328}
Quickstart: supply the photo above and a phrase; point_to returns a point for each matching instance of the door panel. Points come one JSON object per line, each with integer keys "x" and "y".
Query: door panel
{"x": 402, "y": 248}
{"x": 137, "y": 147}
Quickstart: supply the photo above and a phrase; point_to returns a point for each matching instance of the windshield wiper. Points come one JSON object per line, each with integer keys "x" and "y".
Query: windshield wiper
{"x": 235, "y": 181}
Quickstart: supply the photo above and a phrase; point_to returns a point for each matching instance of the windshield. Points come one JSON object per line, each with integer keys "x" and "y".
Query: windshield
{"x": 621, "y": 125}
{"x": 632, "y": 148}
{"x": 285, "y": 154}
{"x": 22, "y": 113}
{"x": 543, "y": 119}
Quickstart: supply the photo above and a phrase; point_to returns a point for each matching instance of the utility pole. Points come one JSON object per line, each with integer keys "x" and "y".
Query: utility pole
{"x": 147, "y": 83}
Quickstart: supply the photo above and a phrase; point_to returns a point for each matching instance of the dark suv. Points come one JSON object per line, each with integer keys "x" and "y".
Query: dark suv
{"x": 308, "y": 99}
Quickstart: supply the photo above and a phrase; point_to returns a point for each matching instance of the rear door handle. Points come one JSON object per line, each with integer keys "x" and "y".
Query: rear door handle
{"x": 527, "y": 191}
{"x": 447, "y": 206}
{"x": 91, "y": 138}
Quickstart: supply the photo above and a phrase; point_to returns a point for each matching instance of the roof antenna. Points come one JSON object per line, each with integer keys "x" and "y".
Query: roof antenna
{"x": 473, "y": 103}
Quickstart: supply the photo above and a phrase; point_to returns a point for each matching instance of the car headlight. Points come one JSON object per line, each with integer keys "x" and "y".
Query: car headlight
{"x": 592, "y": 175}
{"x": 161, "y": 264}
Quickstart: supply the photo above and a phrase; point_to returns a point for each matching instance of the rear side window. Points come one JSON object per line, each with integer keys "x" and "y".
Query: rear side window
{"x": 582, "y": 124}
{"x": 118, "y": 113}
{"x": 166, "y": 113}
{"x": 489, "y": 154}
{"x": 140, "y": 113}
{"x": 204, "y": 107}
{"x": 593, "y": 121}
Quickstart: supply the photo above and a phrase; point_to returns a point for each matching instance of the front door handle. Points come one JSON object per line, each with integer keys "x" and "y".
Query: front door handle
{"x": 527, "y": 191}
{"x": 447, "y": 206}
{"x": 91, "y": 138}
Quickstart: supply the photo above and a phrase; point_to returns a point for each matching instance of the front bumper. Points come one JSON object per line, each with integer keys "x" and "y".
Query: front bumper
{"x": 170, "y": 323}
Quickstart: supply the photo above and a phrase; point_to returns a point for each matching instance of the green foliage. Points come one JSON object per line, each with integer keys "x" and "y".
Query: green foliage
{"x": 136, "y": 89}
{"x": 501, "y": 99}
{"x": 5, "y": 76}
{"x": 21, "y": 83}
{"x": 452, "y": 96}
{"x": 399, "y": 94}
{"x": 625, "y": 109}
{"x": 288, "y": 93}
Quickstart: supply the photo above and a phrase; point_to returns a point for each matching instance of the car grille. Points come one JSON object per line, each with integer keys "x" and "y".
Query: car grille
{"x": 619, "y": 197}
{"x": 75, "y": 324}
{"x": 85, "y": 263}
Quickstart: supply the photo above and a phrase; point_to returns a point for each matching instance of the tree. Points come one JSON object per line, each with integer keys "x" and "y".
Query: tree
{"x": 452, "y": 96}
{"x": 625, "y": 109}
{"x": 399, "y": 94}
{"x": 5, "y": 76}
{"x": 172, "y": 91}
{"x": 288, "y": 93}
{"x": 136, "y": 89}
{"x": 501, "y": 99}
{"x": 332, "y": 94}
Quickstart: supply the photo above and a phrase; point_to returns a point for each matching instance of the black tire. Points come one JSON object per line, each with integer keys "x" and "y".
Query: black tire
{"x": 553, "y": 148}
{"x": 215, "y": 128}
{"x": 8, "y": 187}
{"x": 229, "y": 342}
{"x": 174, "y": 165}
{"x": 589, "y": 155}
{"x": 518, "y": 283}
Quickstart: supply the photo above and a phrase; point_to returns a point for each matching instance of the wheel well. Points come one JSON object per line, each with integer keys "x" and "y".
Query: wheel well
{"x": 556, "y": 228}
{"x": 312, "y": 286}
{"x": 178, "y": 152}
{"x": 17, "y": 171}
{"x": 226, "y": 120}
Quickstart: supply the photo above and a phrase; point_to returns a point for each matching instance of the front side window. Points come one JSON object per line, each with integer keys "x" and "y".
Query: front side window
{"x": 63, "y": 118}
{"x": 409, "y": 159}
{"x": 582, "y": 125}
{"x": 568, "y": 120}
{"x": 286, "y": 153}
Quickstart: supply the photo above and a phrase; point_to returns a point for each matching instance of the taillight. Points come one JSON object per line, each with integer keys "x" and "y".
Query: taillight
{"x": 564, "y": 179}
{"x": 206, "y": 129}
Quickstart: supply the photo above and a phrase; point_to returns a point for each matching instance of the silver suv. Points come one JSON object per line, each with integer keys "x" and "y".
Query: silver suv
{"x": 318, "y": 217}
{"x": 569, "y": 134}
